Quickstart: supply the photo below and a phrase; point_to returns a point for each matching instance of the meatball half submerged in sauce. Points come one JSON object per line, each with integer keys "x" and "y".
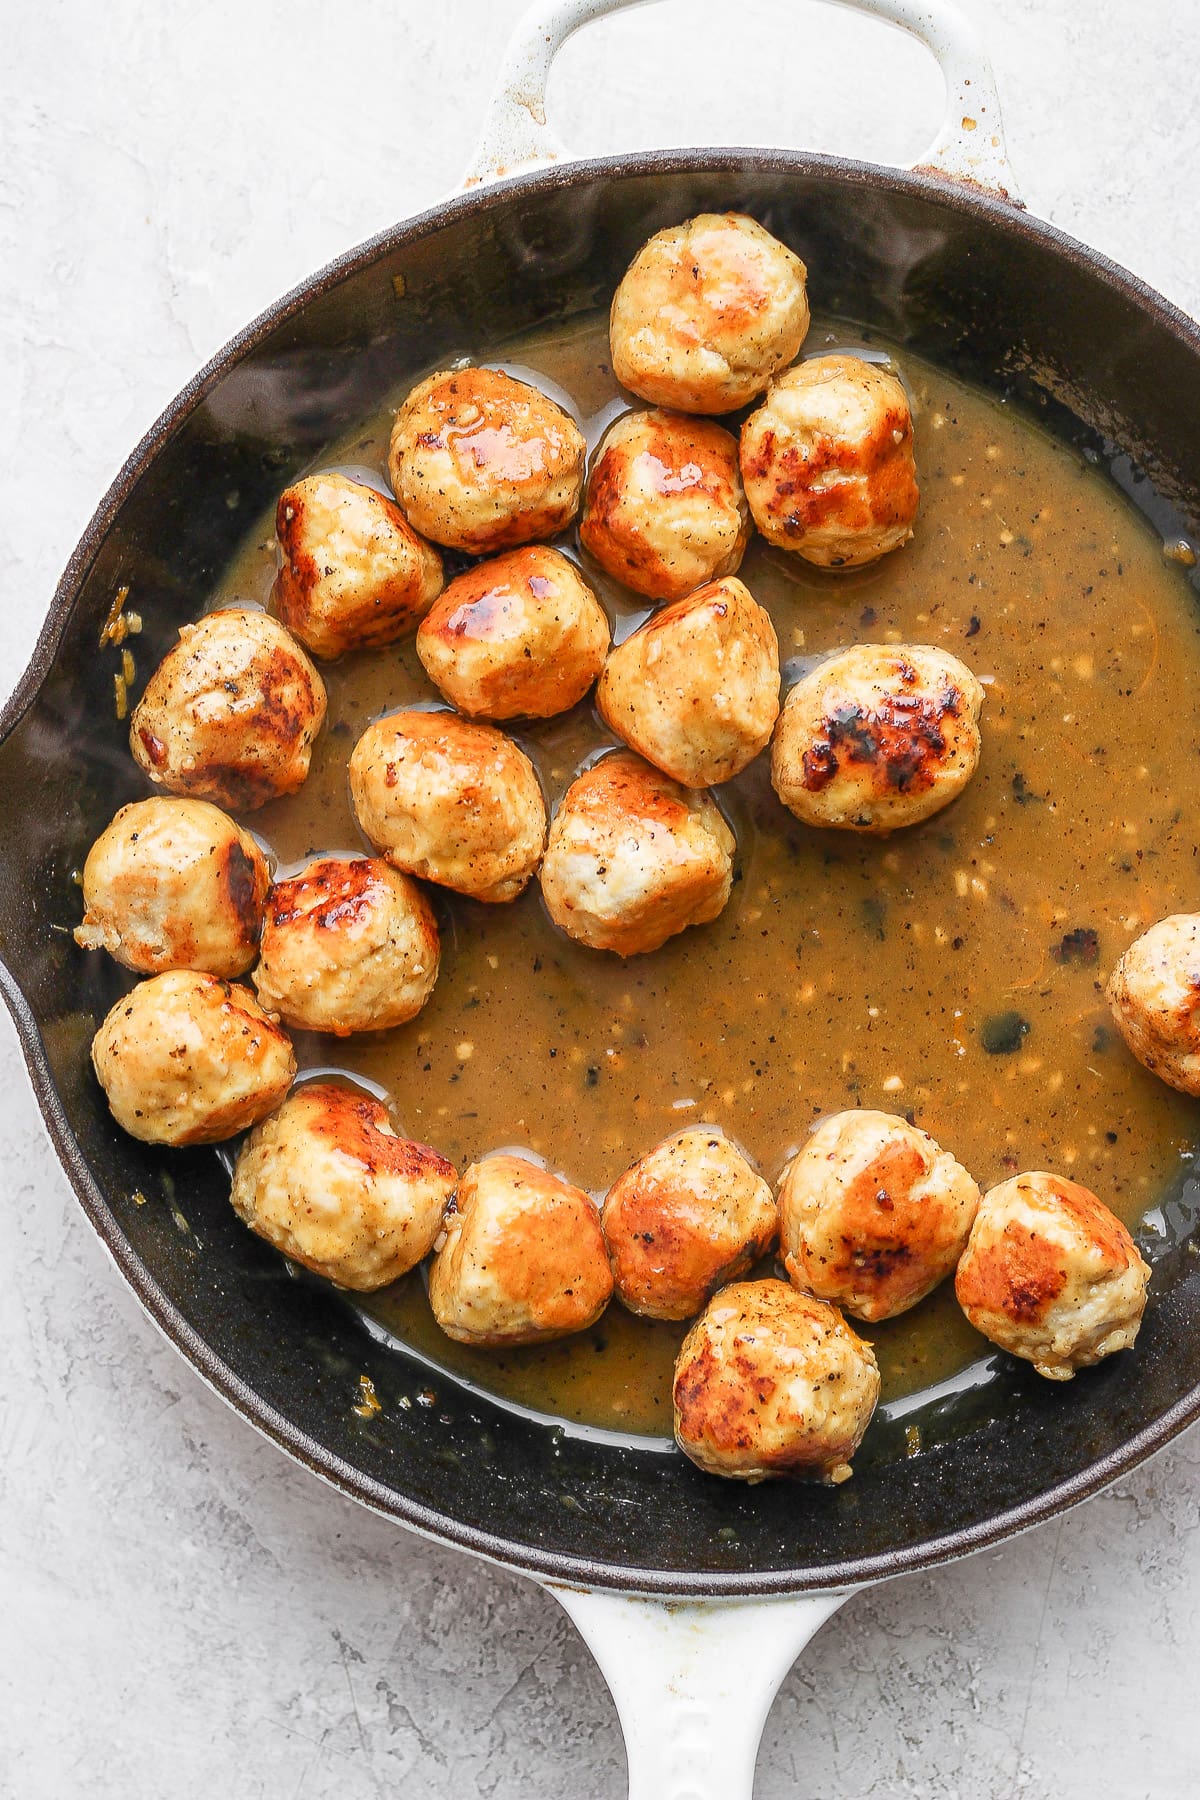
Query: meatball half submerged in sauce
{"x": 522, "y": 1259}
{"x": 878, "y": 737}
{"x": 706, "y": 313}
{"x": 174, "y": 884}
{"x": 772, "y": 1382}
{"x": 328, "y": 1181}
{"x": 827, "y": 463}
{"x": 873, "y": 1214}
{"x": 1154, "y": 992}
{"x": 1051, "y": 1275}
{"x": 633, "y": 857}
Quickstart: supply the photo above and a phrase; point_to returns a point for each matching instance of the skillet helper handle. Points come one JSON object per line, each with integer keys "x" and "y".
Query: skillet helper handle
{"x": 969, "y": 146}
{"x": 693, "y": 1682}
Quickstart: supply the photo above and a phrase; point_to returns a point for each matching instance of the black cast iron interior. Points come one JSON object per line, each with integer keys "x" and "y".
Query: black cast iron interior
{"x": 969, "y": 282}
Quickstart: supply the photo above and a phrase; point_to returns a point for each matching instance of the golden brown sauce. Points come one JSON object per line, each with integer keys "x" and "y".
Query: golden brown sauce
{"x": 949, "y": 972}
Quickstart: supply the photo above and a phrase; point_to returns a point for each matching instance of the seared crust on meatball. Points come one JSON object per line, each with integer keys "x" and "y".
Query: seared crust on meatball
{"x": 1154, "y": 992}
{"x": 1051, "y": 1275}
{"x": 521, "y": 636}
{"x": 873, "y": 1214}
{"x": 632, "y": 857}
{"x": 707, "y": 312}
{"x": 349, "y": 944}
{"x": 450, "y": 800}
{"x": 696, "y": 688}
{"x": 522, "y": 1259}
{"x": 230, "y": 714}
{"x": 877, "y": 737}
{"x": 772, "y": 1382}
{"x": 354, "y": 571}
{"x": 827, "y": 462}
{"x": 689, "y": 1216}
{"x": 664, "y": 508}
{"x": 327, "y": 1180}
{"x": 480, "y": 461}
{"x": 174, "y": 884}
{"x": 187, "y": 1059}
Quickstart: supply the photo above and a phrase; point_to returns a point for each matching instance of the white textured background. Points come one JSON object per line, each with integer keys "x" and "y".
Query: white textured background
{"x": 183, "y": 1613}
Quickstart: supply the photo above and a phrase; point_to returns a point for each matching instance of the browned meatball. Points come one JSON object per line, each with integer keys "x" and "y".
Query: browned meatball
{"x": 349, "y": 944}
{"x": 481, "y": 461}
{"x": 696, "y": 689}
{"x": 772, "y": 1382}
{"x": 1154, "y": 992}
{"x": 521, "y": 636}
{"x": 878, "y": 737}
{"x": 230, "y": 714}
{"x": 1051, "y": 1275}
{"x": 827, "y": 462}
{"x": 354, "y": 570}
{"x": 632, "y": 857}
{"x": 689, "y": 1216}
{"x": 664, "y": 508}
{"x": 452, "y": 801}
{"x": 522, "y": 1259}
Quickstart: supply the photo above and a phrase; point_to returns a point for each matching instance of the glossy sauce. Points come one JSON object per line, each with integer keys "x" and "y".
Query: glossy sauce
{"x": 953, "y": 972}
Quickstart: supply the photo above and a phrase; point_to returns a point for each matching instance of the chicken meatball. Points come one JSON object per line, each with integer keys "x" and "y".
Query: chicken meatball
{"x": 348, "y": 945}
{"x": 455, "y": 802}
{"x": 664, "y": 509}
{"x": 187, "y": 1059}
{"x": 880, "y": 736}
{"x": 522, "y": 636}
{"x": 231, "y": 712}
{"x": 688, "y": 1217}
{"x": 480, "y": 461}
{"x": 1154, "y": 992}
{"x": 1051, "y": 1275}
{"x": 174, "y": 884}
{"x": 696, "y": 689}
{"x": 327, "y": 1180}
{"x": 522, "y": 1259}
{"x": 873, "y": 1214}
{"x": 707, "y": 312}
{"x": 827, "y": 462}
{"x": 632, "y": 857}
{"x": 354, "y": 571}
{"x": 772, "y": 1382}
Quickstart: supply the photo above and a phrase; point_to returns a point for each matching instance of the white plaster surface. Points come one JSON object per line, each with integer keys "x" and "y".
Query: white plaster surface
{"x": 182, "y": 1612}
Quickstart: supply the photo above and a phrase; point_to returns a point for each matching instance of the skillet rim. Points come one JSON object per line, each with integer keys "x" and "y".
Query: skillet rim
{"x": 997, "y": 212}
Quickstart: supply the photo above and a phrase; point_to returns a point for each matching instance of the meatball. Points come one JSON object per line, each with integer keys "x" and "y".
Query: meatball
{"x": 1050, "y": 1275}
{"x": 187, "y": 1059}
{"x": 174, "y": 884}
{"x": 873, "y": 1214}
{"x": 632, "y": 857}
{"x": 664, "y": 508}
{"x": 354, "y": 570}
{"x": 706, "y": 313}
{"x": 453, "y": 801}
{"x": 880, "y": 736}
{"x": 1154, "y": 992}
{"x": 480, "y": 461}
{"x": 772, "y": 1382}
{"x": 349, "y": 944}
{"x": 522, "y": 1259}
{"x": 327, "y": 1181}
{"x": 689, "y": 1216}
{"x": 522, "y": 636}
{"x": 231, "y": 712}
{"x": 827, "y": 461}
{"x": 696, "y": 688}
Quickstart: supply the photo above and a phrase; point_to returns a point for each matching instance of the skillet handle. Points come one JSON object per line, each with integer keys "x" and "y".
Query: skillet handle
{"x": 969, "y": 146}
{"x": 693, "y": 1681}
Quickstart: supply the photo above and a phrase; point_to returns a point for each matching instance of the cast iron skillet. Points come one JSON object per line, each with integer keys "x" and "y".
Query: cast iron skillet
{"x": 961, "y": 276}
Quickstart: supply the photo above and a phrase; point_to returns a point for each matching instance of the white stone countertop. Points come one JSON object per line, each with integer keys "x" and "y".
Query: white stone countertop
{"x": 184, "y": 1614}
